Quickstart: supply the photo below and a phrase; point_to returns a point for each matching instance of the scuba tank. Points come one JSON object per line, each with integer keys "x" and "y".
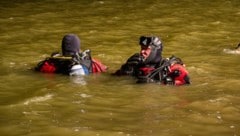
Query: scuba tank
{"x": 78, "y": 70}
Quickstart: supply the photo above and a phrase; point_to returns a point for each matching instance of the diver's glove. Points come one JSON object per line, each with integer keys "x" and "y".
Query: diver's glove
{"x": 129, "y": 68}
{"x": 135, "y": 59}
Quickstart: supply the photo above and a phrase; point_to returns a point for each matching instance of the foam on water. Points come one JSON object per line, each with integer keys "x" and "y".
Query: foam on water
{"x": 229, "y": 51}
{"x": 38, "y": 99}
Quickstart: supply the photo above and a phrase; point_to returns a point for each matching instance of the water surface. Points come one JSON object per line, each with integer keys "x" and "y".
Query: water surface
{"x": 34, "y": 104}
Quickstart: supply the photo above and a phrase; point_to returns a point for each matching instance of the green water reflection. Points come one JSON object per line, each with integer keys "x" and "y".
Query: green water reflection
{"x": 35, "y": 104}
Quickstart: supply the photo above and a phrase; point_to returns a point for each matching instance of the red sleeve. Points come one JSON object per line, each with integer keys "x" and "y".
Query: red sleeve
{"x": 97, "y": 66}
{"x": 48, "y": 67}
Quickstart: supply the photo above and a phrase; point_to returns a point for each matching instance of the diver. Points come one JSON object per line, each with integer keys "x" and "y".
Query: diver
{"x": 71, "y": 61}
{"x": 147, "y": 60}
{"x": 149, "y": 65}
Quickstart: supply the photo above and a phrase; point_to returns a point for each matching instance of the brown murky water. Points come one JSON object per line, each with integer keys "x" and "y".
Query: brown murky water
{"x": 34, "y": 104}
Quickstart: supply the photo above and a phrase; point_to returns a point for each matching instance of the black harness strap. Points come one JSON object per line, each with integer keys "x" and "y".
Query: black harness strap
{"x": 161, "y": 71}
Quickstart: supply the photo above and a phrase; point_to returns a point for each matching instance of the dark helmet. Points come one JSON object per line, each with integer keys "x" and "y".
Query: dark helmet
{"x": 156, "y": 48}
{"x": 145, "y": 41}
{"x": 70, "y": 45}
